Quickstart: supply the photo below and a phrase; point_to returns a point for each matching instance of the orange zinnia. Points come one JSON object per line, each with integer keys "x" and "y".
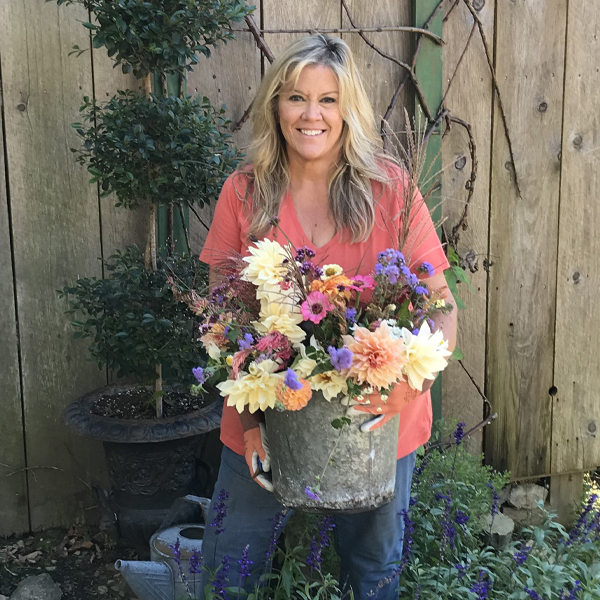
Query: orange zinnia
{"x": 330, "y": 287}
{"x": 295, "y": 399}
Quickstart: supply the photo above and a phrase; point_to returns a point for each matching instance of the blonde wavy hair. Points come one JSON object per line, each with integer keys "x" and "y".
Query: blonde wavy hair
{"x": 360, "y": 160}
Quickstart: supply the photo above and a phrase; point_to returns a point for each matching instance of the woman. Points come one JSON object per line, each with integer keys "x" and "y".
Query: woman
{"x": 318, "y": 175}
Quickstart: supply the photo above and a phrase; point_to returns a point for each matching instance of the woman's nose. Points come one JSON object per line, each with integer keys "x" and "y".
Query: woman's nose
{"x": 312, "y": 110}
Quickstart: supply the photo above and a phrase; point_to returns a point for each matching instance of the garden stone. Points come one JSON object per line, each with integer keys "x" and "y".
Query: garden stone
{"x": 38, "y": 587}
{"x": 527, "y": 495}
{"x": 499, "y": 530}
{"x": 524, "y": 517}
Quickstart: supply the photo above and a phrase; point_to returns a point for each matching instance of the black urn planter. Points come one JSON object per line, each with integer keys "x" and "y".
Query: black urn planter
{"x": 151, "y": 462}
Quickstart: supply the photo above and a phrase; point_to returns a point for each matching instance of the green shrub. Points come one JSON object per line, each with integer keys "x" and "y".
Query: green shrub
{"x": 156, "y": 149}
{"x": 162, "y": 36}
{"x": 134, "y": 321}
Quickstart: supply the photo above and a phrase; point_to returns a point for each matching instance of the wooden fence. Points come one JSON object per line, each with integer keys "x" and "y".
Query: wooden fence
{"x": 530, "y": 331}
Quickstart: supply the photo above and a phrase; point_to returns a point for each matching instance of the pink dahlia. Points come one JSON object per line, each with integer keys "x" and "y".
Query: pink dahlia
{"x": 315, "y": 307}
{"x": 378, "y": 357}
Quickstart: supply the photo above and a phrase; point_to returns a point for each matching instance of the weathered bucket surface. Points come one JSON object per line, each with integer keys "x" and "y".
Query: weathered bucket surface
{"x": 361, "y": 474}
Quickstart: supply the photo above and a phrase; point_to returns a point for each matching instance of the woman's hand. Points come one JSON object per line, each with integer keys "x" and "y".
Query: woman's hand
{"x": 401, "y": 396}
{"x": 256, "y": 448}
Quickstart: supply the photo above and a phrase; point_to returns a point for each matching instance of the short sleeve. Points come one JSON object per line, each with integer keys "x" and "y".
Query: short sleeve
{"x": 225, "y": 234}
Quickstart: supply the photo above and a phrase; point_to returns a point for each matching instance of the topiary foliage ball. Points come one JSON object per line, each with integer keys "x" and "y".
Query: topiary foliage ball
{"x": 133, "y": 319}
{"x": 163, "y": 36}
{"x": 156, "y": 149}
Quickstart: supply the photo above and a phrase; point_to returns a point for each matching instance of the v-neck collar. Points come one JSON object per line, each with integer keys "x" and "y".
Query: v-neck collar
{"x": 307, "y": 241}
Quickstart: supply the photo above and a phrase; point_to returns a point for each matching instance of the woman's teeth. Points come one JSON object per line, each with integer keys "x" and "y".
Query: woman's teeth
{"x": 311, "y": 131}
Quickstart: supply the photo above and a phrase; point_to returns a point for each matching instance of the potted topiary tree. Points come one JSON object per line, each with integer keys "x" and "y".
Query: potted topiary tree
{"x": 154, "y": 151}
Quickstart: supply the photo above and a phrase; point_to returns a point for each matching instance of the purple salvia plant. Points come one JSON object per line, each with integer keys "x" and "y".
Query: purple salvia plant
{"x": 482, "y": 586}
{"x": 275, "y": 531}
{"x": 220, "y": 508}
{"x": 245, "y": 563}
{"x": 220, "y": 581}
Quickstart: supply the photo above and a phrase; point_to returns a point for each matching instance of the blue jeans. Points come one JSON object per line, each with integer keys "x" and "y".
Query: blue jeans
{"x": 368, "y": 543}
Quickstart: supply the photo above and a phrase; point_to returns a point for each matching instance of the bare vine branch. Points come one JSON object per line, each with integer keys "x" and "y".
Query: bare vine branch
{"x": 436, "y": 38}
{"x": 260, "y": 41}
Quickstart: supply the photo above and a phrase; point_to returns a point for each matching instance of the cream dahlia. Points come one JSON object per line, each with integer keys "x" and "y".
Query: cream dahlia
{"x": 331, "y": 383}
{"x": 256, "y": 389}
{"x": 265, "y": 265}
{"x": 281, "y": 317}
{"x": 425, "y": 355}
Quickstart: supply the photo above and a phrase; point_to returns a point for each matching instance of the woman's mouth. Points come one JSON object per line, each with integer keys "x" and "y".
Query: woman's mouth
{"x": 311, "y": 132}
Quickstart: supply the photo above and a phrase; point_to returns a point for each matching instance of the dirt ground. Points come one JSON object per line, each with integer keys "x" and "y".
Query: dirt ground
{"x": 80, "y": 560}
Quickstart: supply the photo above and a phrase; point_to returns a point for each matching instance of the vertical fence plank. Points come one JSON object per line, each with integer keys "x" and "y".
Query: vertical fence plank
{"x": 469, "y": 99}
{"x": 14, "y": 510}
{"x": 56, "y": 238}
{"x": 521, "y": 310}
{"x": 382, "y": 76}
{"x": 313, "y": 14}
{"x": 120, "y": 227}
{"x": 230, "y": 76}
{"x": 576, "y": 412}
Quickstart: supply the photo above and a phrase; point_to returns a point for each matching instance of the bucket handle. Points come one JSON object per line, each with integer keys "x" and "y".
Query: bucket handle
{"x": 171, "y": 516}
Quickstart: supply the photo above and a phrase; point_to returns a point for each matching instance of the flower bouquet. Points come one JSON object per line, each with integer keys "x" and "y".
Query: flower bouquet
{"x": 304, "y": 344}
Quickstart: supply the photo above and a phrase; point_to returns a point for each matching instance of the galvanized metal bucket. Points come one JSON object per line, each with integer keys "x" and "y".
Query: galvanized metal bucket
{"x": 357, "y": 470}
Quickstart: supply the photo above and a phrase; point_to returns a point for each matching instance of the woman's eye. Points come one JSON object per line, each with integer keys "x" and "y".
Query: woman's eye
{"x": 328, "y": 100}
{"x": 296, "y": 98}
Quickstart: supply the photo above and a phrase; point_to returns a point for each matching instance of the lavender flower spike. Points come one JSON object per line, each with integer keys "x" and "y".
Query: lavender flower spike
{"x": 220, "y": 508}
{"x": 312, "y": 493}
{"x": 245, "y": 563}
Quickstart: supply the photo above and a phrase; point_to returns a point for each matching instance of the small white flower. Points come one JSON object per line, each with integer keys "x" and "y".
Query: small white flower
{"x": 330, "y": 271}
{"x": 213, "y": 351}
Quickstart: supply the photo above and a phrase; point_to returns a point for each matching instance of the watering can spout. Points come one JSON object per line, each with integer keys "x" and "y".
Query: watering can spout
{"x": 149, "y": 580}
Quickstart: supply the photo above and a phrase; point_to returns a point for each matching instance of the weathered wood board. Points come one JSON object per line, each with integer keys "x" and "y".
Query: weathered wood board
{"x": 523, "y": 234}
{"x": 312, "y": 14}
{"x": 120, "y": 227}
{"x": 382, "y": 76}
{"x": 576, "y": 406}
{"x": 14, "y": 509}
{"x": 56, "y": 239}
{"x": 469, "y": 98}
{"x": 215, "y": 78}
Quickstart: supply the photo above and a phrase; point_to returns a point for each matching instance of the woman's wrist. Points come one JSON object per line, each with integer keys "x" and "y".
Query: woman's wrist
{"x": 251, "y": 420}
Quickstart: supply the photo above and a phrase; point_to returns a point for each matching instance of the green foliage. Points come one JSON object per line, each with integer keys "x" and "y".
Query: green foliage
{"x": 133, "y": 319}
{"x": 162, "y": 149}
{"x": 162, "y": 36}
{"x": 455, "y": 274}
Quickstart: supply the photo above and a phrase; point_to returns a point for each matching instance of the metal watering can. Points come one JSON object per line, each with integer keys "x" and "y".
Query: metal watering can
{"x": 160, "y": 578}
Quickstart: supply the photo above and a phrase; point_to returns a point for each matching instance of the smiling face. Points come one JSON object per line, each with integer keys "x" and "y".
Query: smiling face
{"x": 309, "y": 116}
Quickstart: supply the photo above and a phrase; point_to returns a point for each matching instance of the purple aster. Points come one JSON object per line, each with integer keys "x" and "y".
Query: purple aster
{"x": 312, "y": 493}
{"x": 427, "y": 268}
{"x": 247, "y": 342}
{"x": 340, "y": 359}
{"x": 199, "y": 374}
{"x": 392, "y": 273}
{"x": 351, "y": 315}
{"x": 412, "y": 280}
{"x": 220, "y": 508}
{"x": 245, "y": 563}
{"x": 378, "y": 269}
{"x": 291, "y": 380}
{"x": 405, "y": 271}
{"x": 415, "y": 331}
{"x": 226, "y": 329}
{"x": 422, "y": 290}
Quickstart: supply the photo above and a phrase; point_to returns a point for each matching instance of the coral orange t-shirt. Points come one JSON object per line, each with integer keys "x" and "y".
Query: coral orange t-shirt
{"x": 229, "y": 233}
